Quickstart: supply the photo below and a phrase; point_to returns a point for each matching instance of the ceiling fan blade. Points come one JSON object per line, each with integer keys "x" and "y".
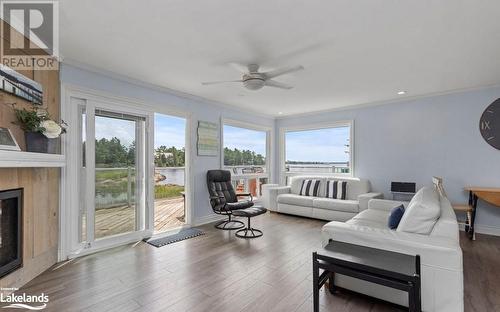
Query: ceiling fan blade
{"x": 272, "y": 83}
{"x": 217, "y": 82}
{"x": 282, "y": 71}
{"x": 242, "y": 69}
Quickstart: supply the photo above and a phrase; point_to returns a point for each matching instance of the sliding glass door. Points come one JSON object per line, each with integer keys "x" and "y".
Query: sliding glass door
{"x": 127, "y": 174}
{"x": 118, "y": 177}
{"x": 112, "y": 173}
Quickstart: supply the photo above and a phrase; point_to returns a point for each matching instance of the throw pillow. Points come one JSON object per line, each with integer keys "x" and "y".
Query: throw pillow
{"x": 422, "y": 212}
{"x": 395, "y": 217}
{"x": 336, "y": 189}
{"x": 309, "y": 188}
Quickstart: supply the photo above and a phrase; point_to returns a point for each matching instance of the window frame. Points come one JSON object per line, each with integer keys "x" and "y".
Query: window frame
{"x": 283, "y": 174}
{"x": 248, "y": 126}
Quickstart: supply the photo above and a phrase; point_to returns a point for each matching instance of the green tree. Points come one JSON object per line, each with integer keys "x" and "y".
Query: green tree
{"x": 236, "y": 157}
{"x": 112, "y": 153}
{"x": 169, "y": 157}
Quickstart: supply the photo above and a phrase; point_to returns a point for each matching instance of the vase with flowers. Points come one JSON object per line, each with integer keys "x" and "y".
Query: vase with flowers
{"x": 40, "y": 131}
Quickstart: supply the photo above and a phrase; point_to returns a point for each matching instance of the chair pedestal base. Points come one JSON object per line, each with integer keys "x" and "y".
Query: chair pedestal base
{"x": 229, "y": 224}
{"x": 249, "y": 231}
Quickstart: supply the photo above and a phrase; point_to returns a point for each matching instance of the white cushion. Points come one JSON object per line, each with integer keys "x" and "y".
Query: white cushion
{"x": 372, "y": 218}
{"x": 298, "y": 200}
{"x": 422, "y": 212}
{"x": 336, "y": 204}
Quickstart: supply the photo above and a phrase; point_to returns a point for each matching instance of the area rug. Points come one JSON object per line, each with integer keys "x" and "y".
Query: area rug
{"x": 177, "y": 237}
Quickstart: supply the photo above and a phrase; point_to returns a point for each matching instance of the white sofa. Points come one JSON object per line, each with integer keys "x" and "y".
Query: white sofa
{"x": 286, "y": 199}
{"x": 440, "y": 252}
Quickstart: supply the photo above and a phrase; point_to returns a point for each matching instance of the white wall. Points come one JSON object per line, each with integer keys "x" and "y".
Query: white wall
{"x": 163, "y": 99}
{"x": 415, "y": 139}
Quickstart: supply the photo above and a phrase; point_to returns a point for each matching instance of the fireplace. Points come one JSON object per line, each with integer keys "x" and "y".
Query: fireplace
{"x": 11, "y": 232}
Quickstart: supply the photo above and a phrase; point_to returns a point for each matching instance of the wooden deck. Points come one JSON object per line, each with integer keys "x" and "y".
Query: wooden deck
{"x": 169, "y": 213}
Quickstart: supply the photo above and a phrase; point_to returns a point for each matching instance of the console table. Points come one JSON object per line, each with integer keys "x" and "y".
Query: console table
{"x": 378, "y": 266}
{"x": 488, "y": 194}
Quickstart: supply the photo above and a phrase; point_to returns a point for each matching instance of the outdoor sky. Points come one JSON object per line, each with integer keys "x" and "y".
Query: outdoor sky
{"x": 245, "y": 139}
{"x": 323, "y": 145}
{"x": 169, "y": 130}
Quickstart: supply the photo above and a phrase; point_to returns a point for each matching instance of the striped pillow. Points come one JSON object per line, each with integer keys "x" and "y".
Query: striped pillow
{"x": 336, "y": 189}
{"x": 309, "y": 188}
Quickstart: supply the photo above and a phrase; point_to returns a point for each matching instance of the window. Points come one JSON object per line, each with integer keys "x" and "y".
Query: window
{"x": 170, "y": 172}
{"x": 246, "y": 156}
{"x": 326, "y": 150}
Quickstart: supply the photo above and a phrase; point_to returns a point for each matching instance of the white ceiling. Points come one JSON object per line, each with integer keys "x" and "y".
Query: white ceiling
{"x": 354, "y": 52}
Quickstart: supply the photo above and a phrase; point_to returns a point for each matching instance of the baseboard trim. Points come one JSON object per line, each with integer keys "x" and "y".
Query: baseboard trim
{"x": 484, "y": 229}
{"x": 208, "y": 219}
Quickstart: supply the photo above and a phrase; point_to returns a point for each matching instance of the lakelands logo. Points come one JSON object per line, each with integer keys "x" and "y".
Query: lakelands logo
{"x": 24, "y": 301}
{"x": 30, "y": 32}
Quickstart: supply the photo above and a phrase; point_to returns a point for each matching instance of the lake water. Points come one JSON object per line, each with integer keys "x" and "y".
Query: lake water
{"x": 173, "y": 176}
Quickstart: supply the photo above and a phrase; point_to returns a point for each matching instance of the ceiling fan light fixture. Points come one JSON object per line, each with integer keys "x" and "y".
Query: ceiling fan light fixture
{"x": 253, "y": 84}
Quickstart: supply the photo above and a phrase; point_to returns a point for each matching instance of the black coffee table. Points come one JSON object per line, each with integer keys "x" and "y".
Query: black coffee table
{"x": 378, "y": 266}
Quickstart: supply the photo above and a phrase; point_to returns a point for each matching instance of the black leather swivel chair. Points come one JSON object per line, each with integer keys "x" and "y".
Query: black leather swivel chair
{"x": 224, "y": 199}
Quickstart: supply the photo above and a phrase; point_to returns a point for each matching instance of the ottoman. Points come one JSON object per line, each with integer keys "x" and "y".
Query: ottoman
{"x": 249, "y": 232}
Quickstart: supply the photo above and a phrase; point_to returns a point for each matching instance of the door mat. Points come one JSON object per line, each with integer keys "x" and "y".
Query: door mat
{"x": 182, "y": 235}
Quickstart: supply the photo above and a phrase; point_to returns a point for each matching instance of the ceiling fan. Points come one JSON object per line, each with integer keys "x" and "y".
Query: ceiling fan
{"x": 252, "y": 79}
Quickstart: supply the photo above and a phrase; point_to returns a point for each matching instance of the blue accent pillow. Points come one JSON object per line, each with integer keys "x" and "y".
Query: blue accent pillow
{"x": 395, "y": 217}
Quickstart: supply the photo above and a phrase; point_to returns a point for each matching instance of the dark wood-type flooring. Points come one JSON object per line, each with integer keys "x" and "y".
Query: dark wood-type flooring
{"x": 219, "y": 272}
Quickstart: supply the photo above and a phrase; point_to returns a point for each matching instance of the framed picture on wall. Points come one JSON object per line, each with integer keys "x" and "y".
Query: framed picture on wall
{"x": 7, "y": 140}
{"x": 21, "y": 86}
{"x": 208, "y": 138}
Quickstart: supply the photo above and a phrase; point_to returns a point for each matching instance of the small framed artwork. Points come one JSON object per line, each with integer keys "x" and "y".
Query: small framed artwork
{"x": 208, "y": 138}
{"x": 21, "y": 86}
{"x": 7, "y": 140}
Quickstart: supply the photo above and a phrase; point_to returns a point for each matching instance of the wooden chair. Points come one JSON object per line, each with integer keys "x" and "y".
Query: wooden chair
{"x": 458, "y": 208}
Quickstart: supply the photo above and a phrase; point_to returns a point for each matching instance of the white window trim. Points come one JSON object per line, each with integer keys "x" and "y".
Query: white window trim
{"x": 269, "y": 143}
{"x": 316, "y": 126}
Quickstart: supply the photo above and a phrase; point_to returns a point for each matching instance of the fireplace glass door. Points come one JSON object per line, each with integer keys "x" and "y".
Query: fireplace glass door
{"x": 10, "y": 231}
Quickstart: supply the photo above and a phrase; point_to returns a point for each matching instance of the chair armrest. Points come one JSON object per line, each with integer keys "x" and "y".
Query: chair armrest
{"x": 365, "y": 198}
{"x": 439, "y": 252}
{"x": 273, "y": 196}
{"x": 385, "y": 204}
{"x": 245, "y": 194}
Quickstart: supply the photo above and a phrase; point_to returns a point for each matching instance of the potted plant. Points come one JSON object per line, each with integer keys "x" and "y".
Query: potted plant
{"x": 40, "y": 131}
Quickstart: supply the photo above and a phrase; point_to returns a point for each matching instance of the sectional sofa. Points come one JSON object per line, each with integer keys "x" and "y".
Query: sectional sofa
{"x": 287, "y": 199}
{"x": 428, "y": 228}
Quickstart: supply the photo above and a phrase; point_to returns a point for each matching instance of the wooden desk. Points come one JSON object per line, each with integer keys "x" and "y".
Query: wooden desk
{"x": 488, "y": 194}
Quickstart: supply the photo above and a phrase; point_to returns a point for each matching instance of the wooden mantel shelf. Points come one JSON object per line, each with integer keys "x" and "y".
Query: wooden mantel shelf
{"x": 16, "y": 159}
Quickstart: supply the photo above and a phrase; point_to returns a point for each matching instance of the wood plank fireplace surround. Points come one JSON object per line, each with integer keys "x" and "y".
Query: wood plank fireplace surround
{"x": 40, "y": 186}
